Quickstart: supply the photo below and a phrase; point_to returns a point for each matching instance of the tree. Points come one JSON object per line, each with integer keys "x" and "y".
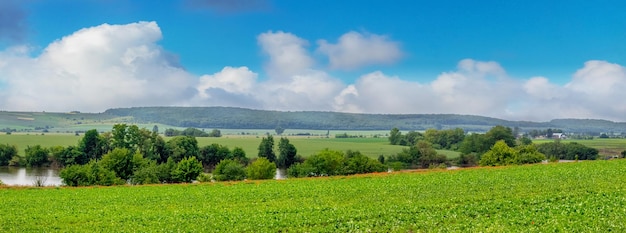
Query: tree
{"x": 238, "y": 154}
{"x": 326, "y": 163}
{"x": 88, "y": 174}
{"x": 36, "y": 156}
{"x": 500, "y": 154}
{"x": 357, "y": 163}
{"x": 216, "y": 133}
{"x": 229, "y": 169}
{"x": 498, "y": 133}
{"x": 155, "y": 129}
{"x": 187, "y": 170}
{"x": 279, "y": 130}
{"x": 286, "y": 153}
{"x": 212, "y": 154}
{"x": 181, "y": 147}
{"x": 122, "y": 162}
{"x": 266, "y": 148}
{"x": 261, "y": 169}
{"x": 6, "y": 153}
{"x": 395, "y": 136}
{"x": 90, "y": 144}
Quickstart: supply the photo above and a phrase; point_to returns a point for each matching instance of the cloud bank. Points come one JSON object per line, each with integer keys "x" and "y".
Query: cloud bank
{"x": 109, "y": 66}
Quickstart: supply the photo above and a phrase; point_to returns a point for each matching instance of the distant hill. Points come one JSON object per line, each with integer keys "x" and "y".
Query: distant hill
{"x": 241, "y": 118}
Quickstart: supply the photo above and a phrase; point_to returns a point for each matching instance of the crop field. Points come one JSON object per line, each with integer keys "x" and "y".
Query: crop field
{"x": 306, "y": 146}
{"x": 566, "y": 197}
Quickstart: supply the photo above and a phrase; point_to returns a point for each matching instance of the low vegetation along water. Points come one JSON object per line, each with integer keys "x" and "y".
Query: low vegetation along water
{"x": 558, "y": 197}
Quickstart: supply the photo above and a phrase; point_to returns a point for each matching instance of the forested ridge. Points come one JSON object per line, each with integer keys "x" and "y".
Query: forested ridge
{"x": 241, "y": 118}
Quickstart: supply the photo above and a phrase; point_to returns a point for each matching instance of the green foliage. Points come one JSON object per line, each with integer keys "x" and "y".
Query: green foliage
{"x": 261, "y": 169}
{"x": 122, "y": 162}
{"x": 468, "y": 160}
{"x": 326, "y": 163}
{"x": 395, "y": 136}
{"x": 286, "y": 153}
{"x": 36, "y": 156}
{"x": 90, "y": 146}
{"x": 6, "y": 153}
{"x": 181, "y": 147}
{"x": 500, "y": 154}
{"x": 421, "y": 155}
{"x": 88, "y": 174}
{"x": 568, "y": 151}
{"x": 301, "y": 170}
{"x": 445, "y": 139}
{"x": 238, "y": 154}
{"x": 212, "y": 154}
{"x": 146, "y": 174}
{"x": 498, "y": 133}
{"x": 69, "y": 156}
{"x": 204, "y": 178}
{"x": 279, "y": 130}
{"x": 266, "y": 148}
{"x": 229, "y": 170}
{"x": 357, "y": 163}
{"x": 187, "y": 170}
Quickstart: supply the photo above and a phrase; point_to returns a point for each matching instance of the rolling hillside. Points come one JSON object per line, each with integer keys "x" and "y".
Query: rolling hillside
{"x": 240, "y": 118}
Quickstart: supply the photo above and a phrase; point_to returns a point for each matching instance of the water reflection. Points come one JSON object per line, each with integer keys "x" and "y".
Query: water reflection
{"x": 281, "y": 174}
{"x": 27, "y": 176}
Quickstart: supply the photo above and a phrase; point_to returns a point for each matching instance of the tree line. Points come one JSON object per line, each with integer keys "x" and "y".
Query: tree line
{"x": 498, "y": 146}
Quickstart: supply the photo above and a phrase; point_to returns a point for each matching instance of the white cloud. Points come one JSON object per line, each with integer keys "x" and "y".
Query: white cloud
{"x": 94, "y": 69}
{"x": 111, "y": 66}
{"x": 354, "y": 50}
{"x": 287, "y": 53}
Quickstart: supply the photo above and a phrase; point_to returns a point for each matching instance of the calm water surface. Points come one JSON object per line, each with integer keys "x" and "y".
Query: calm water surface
{"x": 27, "y": 176}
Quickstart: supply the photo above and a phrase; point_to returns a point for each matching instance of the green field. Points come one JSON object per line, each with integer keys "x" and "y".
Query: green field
{"x": 566, "y": 197}
{"x": 306, "y": 146}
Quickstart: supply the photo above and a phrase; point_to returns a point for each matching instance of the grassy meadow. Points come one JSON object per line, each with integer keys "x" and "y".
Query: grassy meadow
{"x": 557, "y": 197}
{"x": 606, "y": 146}
{"x": 372, "y": 147}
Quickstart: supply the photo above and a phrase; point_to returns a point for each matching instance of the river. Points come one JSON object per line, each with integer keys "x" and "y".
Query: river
{"x": 28, "y": 176}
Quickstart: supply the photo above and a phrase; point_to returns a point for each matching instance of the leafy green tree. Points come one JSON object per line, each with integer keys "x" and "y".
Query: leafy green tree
{"x": 36, "y": 156}
{"x": 326, "y": 163}
{"x": 474, "y": 143}
{"x": 155, "y": 129}
{"x": 279, "y": 130}
{"x": 187, "y": 170}
{"x": 88, "y": 174}
{"x": 6, "y": 153}
{"x": 500, "y": 154}
{"x": 266, "y": 149}
{"x": 261, "y": 169}
{"x": 90, "y": 145}
{"x": 148, "y": 174}
{"x": 357, "y": 163}
{"x": 428, "y": 155}
{"x": 216, "y": 133}
{"x": 122, "y": 162}
{"x": 212, "y": 154}
{"x": 527, "y": 154}
{"x": 229, "y": 169}
{"x": 238, "y": 154}
{"x": 194, "y": 132}
{"x": 286, "y": 153}
{"x": 498, "y": 133}
{"x": 71, "y": 155}
{"x": 395, "y": 136}
{"x": 301, "y": 170}
{"x": 181, "y": 147}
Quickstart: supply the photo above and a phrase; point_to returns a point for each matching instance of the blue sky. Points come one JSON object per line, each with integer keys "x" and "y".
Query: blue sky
{"x": 527, "y": 60}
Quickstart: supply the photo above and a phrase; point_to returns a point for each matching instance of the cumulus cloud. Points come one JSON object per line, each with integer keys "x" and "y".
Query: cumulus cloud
{"x": 109, "y": 66}
{"x": 287, "y": 53}
{"x": 12, "y": 21}
{"x": 354, "y": 50}
{"x": 94, "y": 69}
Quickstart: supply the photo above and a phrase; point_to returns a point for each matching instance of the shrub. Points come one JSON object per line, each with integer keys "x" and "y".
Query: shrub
{"x": 88, "y": 174}
{"x": 229, "y": 169}
{"x": 148, "y": 174}
{"x": 187, "y": 170}
{"x": 301, "y": 170}
{"x": 204, "y": 177}
{"x": 261, "y": 169}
